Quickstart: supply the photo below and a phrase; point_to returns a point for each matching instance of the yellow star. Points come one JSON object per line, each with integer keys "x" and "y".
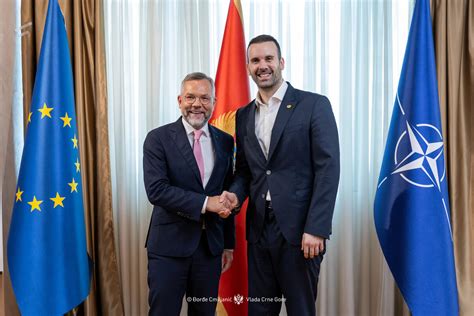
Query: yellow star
{"x": 35, "y": 204}
{"x": 18, "y": 195}
{"x": 58, "y": 200}
{"x": 67, "y": 120}
{"x": 29, "y": 117}
{"x": 74, "y": 141}
{"x": 73, "y": 185}
{"x": 45, "y": 111}
{"x": 78, "y": 165}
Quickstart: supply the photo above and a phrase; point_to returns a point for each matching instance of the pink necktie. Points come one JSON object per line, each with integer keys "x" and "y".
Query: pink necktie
{"x": 198, "y": 153}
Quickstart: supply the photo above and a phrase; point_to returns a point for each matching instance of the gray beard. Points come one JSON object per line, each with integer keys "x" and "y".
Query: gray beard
{"x": 196, "y": 124}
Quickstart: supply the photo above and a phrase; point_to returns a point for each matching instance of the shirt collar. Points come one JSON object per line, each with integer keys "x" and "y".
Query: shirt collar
{"x": 189, "y": 129}
{"x": 279, "y": 94}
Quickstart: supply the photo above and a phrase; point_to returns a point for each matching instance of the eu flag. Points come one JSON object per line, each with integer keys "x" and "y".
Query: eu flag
{"x": 411, "y": 204}
{"x": 47, "y": 254}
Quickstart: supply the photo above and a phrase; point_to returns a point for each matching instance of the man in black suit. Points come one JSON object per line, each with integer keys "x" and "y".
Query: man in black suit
{"x": 186, "y": 165}
{"x": 288, "y": 165}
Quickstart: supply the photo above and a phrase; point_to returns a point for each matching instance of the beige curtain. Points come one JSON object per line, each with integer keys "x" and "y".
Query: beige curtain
{"x": 454, "y": 43}
{"x": 84, "y": 24}
{"x": 7, "y": 167}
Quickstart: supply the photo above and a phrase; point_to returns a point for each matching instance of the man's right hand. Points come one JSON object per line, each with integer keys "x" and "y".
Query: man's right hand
{"x": 230, "y": 199}
{"x": 216, "y": 206}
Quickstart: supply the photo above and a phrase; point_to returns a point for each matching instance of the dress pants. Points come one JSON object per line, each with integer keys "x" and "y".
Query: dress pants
{"x": 277, "y": 268}
{"x": 197, "y": 276}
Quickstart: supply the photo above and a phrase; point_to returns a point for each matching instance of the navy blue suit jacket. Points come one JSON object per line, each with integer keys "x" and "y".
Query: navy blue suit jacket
{"x": 174, "y": 187}
{"x": 302, "y": 170}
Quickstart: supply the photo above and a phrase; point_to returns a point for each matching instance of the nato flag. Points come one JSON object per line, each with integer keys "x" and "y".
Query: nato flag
{"x": 47, "y": 254}
{"x": 411, "y": 204}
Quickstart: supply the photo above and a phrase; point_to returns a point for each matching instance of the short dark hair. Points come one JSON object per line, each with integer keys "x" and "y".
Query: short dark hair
{"x": 263, "y": 39}
{"x": 198, "y": 76}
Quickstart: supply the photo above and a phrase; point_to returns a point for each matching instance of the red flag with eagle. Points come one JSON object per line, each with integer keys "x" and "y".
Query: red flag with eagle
{"x": 232, "y": 92}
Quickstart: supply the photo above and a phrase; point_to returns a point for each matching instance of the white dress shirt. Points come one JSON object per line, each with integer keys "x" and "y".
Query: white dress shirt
{"x": 207, "y": 149}
{"x": 265, "y": 117}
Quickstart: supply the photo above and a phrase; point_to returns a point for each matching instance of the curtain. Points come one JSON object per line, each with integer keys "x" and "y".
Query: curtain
{"x": 84, "y": 25}
{"x": 454, "y": 44}
{"x": 357, "y": 64}
{"x": 10, "y": 139}
{"x": 351, "y": 51}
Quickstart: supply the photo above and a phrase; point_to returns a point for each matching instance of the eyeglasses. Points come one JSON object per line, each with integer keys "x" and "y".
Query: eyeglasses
{"x": 190, "y": 99}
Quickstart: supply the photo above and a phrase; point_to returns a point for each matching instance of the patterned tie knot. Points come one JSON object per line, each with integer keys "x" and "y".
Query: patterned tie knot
{"x": 198, "y": 134}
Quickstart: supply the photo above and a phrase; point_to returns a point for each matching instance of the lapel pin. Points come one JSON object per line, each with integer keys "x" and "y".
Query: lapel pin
{"x": 289, "y": 106}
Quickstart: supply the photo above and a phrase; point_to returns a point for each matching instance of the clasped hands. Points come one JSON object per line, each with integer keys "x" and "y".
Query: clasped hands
{"x": 223, "y": 204}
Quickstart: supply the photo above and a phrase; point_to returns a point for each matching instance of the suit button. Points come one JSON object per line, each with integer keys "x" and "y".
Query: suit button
{"x": 263, "y": 196}
{"x": 269, "y": 172}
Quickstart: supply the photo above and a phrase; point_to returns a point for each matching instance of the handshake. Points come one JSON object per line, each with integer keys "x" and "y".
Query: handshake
{"x": 223, "y": 204}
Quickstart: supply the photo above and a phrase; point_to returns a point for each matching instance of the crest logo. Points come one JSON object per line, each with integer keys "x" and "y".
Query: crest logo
{"x": 238, "y": 299}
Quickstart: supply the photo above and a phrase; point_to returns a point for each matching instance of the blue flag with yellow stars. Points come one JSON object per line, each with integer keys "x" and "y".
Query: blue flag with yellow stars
{"x": 47, "y": 255}
{"x": 412, "y": 215}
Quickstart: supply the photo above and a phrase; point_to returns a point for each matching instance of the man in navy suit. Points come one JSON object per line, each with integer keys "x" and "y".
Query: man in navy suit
{"x": 186, "y": 165}
{"x": 288, "y": 165}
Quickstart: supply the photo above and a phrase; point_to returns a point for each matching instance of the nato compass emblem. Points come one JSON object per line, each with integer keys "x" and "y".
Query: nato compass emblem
{"x": 423, "y": 156}
{"x": 418, "y": 156}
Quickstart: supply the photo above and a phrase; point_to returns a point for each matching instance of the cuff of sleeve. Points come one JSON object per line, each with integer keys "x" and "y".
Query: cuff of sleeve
{"x": 204, "y": 206}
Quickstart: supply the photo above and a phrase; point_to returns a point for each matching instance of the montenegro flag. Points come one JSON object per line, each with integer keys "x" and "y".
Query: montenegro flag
{"x": 232, "y": 92}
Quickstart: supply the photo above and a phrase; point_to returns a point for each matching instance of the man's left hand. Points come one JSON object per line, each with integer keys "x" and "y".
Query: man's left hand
{"x": 227, "y": 258}
{"x": 312, "y": 245}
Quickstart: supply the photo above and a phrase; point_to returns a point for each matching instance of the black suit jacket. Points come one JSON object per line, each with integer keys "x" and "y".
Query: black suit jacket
{"x": 302, "y": 170}
{"x": 174, "y": 187}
